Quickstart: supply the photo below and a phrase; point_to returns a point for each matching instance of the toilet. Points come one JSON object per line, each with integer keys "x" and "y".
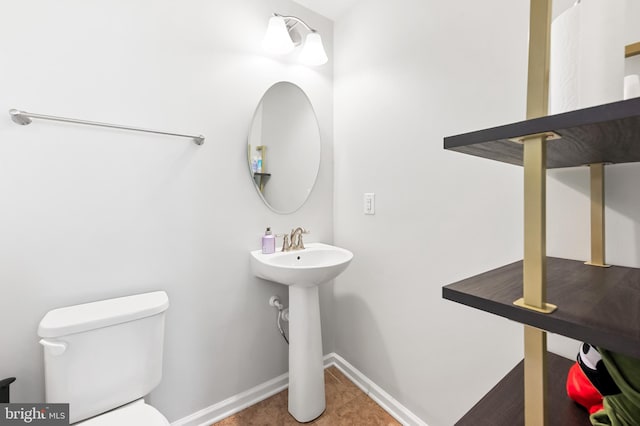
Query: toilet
{"x": 103, "y": 358}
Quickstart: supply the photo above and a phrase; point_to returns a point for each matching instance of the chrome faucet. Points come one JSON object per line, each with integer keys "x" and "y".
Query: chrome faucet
{"x": 293, "y": 241}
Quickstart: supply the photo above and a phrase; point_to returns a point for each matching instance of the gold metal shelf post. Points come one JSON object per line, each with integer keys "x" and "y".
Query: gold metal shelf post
{"x": 535, "y": 169}
{"x": 596, "y": 172}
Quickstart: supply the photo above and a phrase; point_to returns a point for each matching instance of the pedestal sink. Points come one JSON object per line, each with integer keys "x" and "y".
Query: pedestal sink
{"x": 303, "y": 271}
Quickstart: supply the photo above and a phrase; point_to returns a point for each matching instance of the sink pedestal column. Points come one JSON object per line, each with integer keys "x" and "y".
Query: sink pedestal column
{"x": 306, "y": 369}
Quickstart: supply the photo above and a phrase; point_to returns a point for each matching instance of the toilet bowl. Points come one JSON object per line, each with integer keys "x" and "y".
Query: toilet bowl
{"x": 103, "y": 357}
{"x": 136, "y": 413}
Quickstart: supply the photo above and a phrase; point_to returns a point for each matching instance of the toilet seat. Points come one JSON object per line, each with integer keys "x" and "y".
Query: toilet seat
{"x": 133, "y": 414}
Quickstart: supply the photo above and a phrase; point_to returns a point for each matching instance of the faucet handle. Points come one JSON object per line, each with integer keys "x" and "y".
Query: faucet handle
{"x": 300, "y": 243}
{"x": 286, "y": 244}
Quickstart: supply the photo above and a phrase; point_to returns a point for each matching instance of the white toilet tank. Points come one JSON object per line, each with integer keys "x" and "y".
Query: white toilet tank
{"x": 101, "y": 355}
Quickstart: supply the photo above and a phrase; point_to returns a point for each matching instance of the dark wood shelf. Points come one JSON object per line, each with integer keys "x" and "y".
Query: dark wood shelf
{"x": 504, "y": 404}
{"x": 607, "y": 133}
{"x": 595, "y": 305}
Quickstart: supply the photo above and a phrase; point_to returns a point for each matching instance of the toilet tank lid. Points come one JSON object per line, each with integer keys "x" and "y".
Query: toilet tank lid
{"x": 90, "y": 316}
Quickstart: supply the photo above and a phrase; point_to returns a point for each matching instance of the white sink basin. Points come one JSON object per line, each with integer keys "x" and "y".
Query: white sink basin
{"x": 316, "y": 264}
{"x": 303, "y": 271}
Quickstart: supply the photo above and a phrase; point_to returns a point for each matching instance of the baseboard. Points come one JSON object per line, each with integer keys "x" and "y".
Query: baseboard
{"x": 375, "y": 392}
{"x": 239, "y": 402}
{"x": 234, "y": 404}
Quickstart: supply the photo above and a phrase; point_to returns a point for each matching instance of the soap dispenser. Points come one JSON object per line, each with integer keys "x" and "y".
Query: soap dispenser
{"x": 268, "y": 242}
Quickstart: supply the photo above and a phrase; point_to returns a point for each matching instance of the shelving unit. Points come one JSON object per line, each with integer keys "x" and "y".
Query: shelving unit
{"x": 506, "y": 400}
{"x": 604, "y": 134}
{"x": 550, "y": 294}
{"x": 579, "y": 290}
{"x": 607, "y": 133}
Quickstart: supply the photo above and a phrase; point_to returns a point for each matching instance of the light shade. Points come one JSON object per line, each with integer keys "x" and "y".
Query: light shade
{"x": 276, "y": 39}
{"x": 313, "y": 51}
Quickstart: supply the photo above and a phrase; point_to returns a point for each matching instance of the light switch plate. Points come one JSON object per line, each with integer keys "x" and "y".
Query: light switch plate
{"x": 369, "y": 203}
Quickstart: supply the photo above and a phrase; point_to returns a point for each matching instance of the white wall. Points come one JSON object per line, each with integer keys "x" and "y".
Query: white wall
{"x": 405, "y": 77}
{"x": 89, "y": 213}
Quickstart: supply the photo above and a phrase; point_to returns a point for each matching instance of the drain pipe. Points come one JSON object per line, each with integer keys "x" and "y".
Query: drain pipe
{"x": 283, "y": 315}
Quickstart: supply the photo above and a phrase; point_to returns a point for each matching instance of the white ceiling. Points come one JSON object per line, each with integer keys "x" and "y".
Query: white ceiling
{"x": 332, "y": 9}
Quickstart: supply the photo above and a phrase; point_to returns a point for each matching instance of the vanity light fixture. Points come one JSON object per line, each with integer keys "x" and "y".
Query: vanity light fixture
{"x": 282, "y": 37}
{"x": 276, "y": 39}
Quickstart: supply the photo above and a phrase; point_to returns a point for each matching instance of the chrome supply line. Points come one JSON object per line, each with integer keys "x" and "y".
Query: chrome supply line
{"x": 23, "y": 118}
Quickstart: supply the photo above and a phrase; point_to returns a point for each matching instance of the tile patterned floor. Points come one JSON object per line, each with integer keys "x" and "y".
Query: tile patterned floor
{"x": 347, "y": 405}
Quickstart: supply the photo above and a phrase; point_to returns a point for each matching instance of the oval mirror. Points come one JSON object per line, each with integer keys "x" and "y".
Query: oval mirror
{"x": 284, "y": 148}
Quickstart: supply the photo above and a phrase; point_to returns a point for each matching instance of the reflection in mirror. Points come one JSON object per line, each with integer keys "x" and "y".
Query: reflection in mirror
{"x": 284, "y": 148}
